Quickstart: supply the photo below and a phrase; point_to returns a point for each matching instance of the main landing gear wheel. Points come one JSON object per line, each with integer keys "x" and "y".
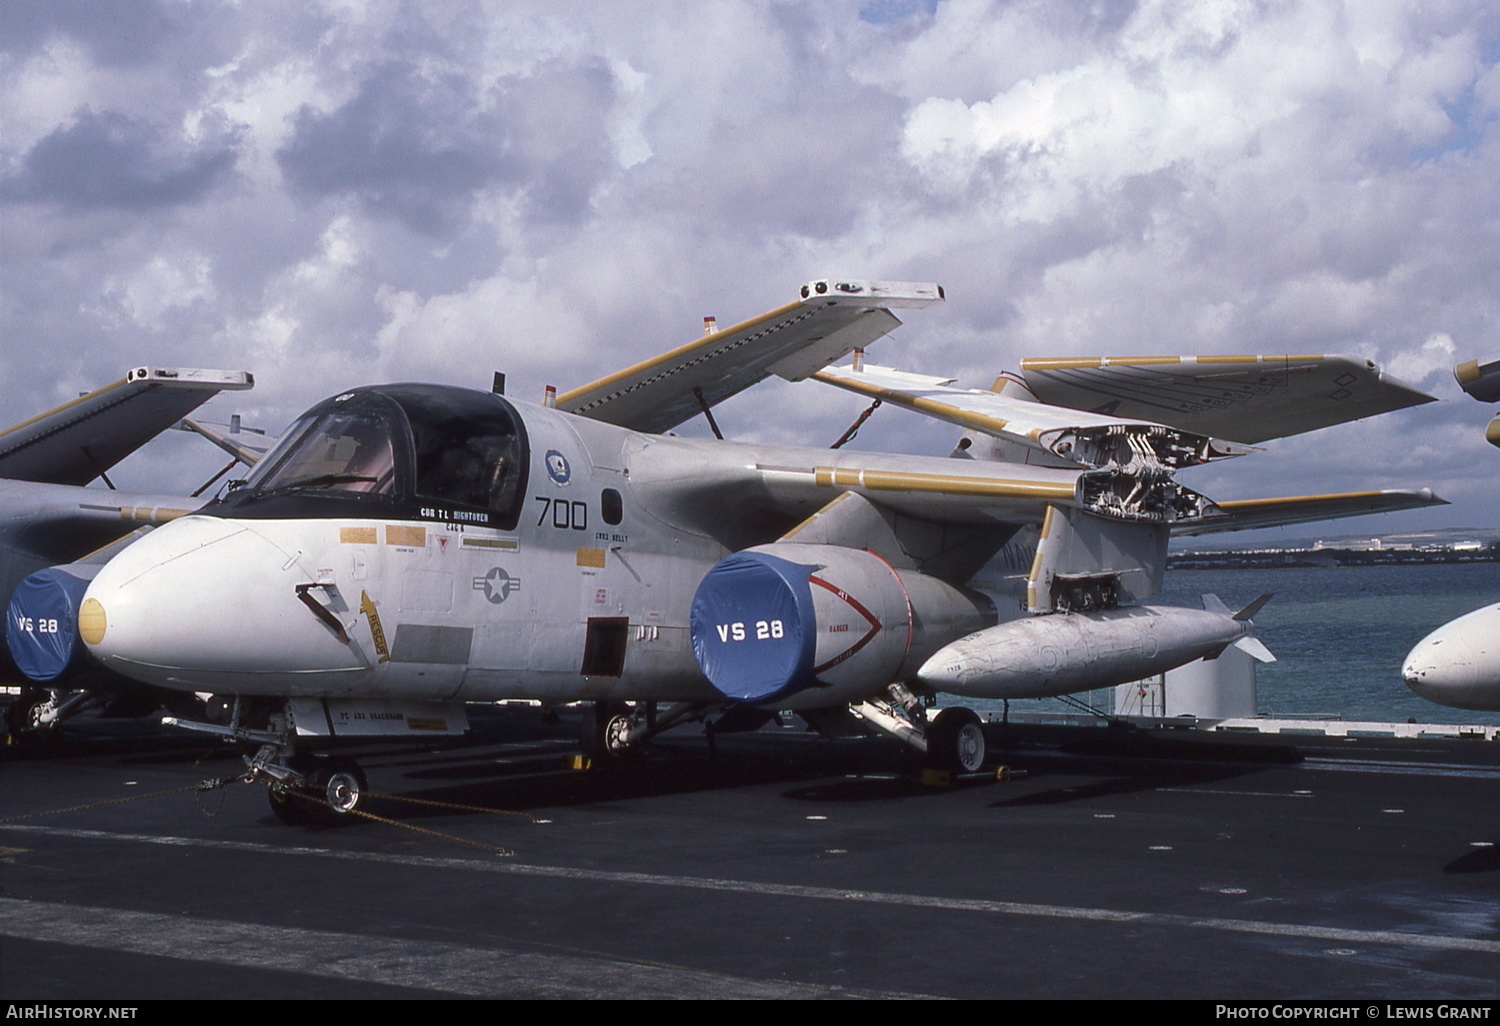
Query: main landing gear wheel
{"x": 956, "y": 742}
{"x": 605, "y": 734}
{"x": 24, "y": 717}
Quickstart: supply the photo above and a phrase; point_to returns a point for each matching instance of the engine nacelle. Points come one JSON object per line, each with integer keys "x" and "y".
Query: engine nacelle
{"x": 41, "y": 622}
{"x": 802, "y": 626}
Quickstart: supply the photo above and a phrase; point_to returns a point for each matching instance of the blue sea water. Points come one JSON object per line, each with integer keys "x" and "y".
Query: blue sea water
{"x": 1341, "y": 634}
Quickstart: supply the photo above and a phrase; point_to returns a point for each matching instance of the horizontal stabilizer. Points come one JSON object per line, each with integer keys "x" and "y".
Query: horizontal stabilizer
{"x": 79, "y": 440}
{"x": 1248, "y": 514}
{"x": 1252, "y": 647}
{"x": 830, "y": 320}
{"x": 1246, "y": 398}
{"x": 1248, "y": 613}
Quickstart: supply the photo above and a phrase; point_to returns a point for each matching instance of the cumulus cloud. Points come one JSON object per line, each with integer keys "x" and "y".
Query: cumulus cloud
{"x": 115, "y": 33}
{"x": 107, "y": 159}
{"x": 421, "y": 146}
{"x": 438, "y": 190}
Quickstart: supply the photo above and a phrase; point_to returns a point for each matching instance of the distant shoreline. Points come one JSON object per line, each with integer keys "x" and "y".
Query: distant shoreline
{"x": 1313, "y": 559}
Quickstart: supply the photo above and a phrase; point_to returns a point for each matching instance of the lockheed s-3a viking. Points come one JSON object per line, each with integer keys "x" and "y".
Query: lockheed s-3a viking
{"x": 407, "y": 548}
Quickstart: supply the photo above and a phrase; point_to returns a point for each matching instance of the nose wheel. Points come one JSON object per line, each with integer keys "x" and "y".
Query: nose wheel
{"x": 342, "y": 785}
{"x": 303, "y": 788}
{"x": 326, "y": 790}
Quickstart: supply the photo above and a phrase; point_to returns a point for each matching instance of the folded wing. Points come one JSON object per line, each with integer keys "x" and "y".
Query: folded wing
{"x": 79, "y": 440}
{"x": 1247, "y": 514}
{"x": 828, "y": 321}
{"x": 1245, "y": 398}
{"x": 1072, "y": 436}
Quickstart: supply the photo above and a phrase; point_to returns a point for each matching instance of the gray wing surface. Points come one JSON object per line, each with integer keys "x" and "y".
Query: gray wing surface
{"x": 832, "y": 319}
{"x": 1248, "y": 514}
{"x": 246, "y": 446}
{"x": 79, "y": 440}
{"x": 1243, "y": 398}
{"x": 59, "y": 523}
{"x": 1074, "y": 436}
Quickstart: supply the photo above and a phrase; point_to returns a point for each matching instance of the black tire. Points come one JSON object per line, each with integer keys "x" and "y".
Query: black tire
{"x": 23, "y": 718}
{"x": 956, "y": 741}
{"x": 289, "y": 801}
{"x": 605, "y": 726}
{"x": 289, "y": 806}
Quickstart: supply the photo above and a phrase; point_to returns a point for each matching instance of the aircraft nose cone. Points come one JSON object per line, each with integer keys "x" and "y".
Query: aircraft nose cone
{"x": 1458, "y": 664}
{"x": 205, "y": 604}
{"x": 1438, "y": 663}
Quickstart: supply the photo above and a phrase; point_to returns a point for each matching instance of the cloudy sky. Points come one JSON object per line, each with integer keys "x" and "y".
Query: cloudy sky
{"x": 338, "y": 192}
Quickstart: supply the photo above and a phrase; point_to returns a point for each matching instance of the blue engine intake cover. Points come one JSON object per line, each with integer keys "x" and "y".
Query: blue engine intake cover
{"x": 41, "y": 622}
{"x": 753, "y": 627}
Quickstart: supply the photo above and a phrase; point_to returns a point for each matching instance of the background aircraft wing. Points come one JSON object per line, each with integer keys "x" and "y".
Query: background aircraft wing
{"x": 247, "y": 445}
{"x": 81, "y": 439}
{"x": 1246, "y": 514}
{"x": 47, "y": 523}
{"x": 1073, "y": 436}
{"x": 830, "y": 320}
{"x": 1246, "y": 398}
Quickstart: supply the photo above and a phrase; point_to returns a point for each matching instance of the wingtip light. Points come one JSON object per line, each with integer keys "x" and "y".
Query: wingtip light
{"x": 883, "y": 294}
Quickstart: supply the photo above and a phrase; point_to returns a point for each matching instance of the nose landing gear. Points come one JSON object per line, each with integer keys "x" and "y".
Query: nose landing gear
{"x": 302, "y": 788}
{"x": 316, "y": 789}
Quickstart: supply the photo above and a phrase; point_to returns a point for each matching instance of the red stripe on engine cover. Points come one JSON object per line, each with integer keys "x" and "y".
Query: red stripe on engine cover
{"x": 858, "y": 608}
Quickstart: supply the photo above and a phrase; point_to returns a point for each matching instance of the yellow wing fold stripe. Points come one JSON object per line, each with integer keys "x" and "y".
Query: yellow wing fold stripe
{"x": 65, "y": 406}
{"x": 947, "y": 484}
{"x": 670, "y": 355}
{"x": 931, "y": 407}
{"x": 152, "y": 514}
{"x": 1036, "y": 559}
{"x": 842, "y": 496}
{"x": 1238, "y": 505}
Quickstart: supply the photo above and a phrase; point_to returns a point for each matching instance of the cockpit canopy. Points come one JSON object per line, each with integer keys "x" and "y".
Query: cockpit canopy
{"x": 433, "y": 450}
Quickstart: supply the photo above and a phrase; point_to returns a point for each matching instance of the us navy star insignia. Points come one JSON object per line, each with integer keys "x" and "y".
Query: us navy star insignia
{"x": 497, "y": 585}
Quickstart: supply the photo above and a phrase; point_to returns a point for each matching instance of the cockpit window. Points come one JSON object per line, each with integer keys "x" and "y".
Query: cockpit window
{"x": 468, "y": 449}
{"x": 424, "y": 448}
{"x": 346, "y": 450}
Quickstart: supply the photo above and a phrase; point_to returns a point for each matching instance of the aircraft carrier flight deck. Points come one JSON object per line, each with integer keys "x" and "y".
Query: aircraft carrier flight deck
{"x": 1113, "y": 862}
